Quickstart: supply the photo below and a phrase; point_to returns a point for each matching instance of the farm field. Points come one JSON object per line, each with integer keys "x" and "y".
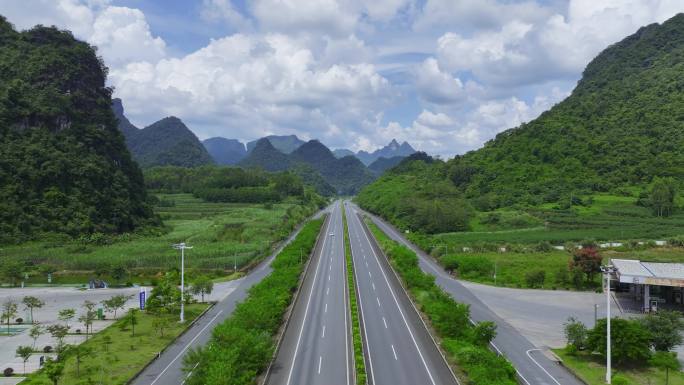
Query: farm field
{"x": 222, "y": 234}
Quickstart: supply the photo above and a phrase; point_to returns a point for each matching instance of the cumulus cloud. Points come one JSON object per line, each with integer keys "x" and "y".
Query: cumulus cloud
{"x": 224, "y": 11}
{"x": 329, "y": 17}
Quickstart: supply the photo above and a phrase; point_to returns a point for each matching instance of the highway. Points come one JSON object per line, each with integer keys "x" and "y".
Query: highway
{"x": 398, "y": 348}
{"x": 168, "y": 368}
{"x": 533, "y": 367}
{"x": 316, "y": 348}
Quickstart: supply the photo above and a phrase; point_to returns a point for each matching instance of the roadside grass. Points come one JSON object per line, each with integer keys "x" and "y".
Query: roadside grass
{"x": 592, "y": 370}
{"x": 118, "y": 361}
{"x": 359, "y": 358}
{"x": 221, "y": 233}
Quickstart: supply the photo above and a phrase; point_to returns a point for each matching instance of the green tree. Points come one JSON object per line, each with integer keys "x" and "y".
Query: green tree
{"x": 9, "y": 311}
{"x": 588, "y": 260}
{"x": 31, "y": 303}
{"x": 575, "y": 334}
{"x": 131, "y": 319}
{"x": 106, "y": 341}
{"x": 53, "y": 370}
{"x": 66, "y": 315}
{"x": 116, "y": 302}
{"x": 35, "y": 333}
{"x": 119, "y": 272}
{"x": 79, "y": 352}
{"x": 630, "y": 341}
{"x": 25, "y": 353}
{"x": 666, "y": 361}
{"x": 165, "y": 295}
{"x": 160, "y": 323}
{"x": 578, "y": 277}
{"x": 662, "y": 197}
{"x": 12, "y": 272}
{"x": 665, "y": 327}
{"x": 202, "y": 285}
{"x": 58, "y": 332}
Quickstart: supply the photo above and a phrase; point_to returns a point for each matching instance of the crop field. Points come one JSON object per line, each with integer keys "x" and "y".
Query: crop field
{"x": 222, "y": 234}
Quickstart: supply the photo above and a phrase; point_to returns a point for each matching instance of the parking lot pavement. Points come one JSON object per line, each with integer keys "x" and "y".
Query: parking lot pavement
{"x": 539, "y": 315}
{"x": 55, "y": 299}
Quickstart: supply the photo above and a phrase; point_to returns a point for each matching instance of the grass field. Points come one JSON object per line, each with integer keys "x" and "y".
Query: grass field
{"x": 592, "y": 370}
{"x": 221, "y": 234}
{"x": 126, "y": 354}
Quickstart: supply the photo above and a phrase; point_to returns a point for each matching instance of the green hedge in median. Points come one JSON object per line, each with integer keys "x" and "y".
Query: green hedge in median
{"x": 242, "y": 346}
{"x": 466, "y": 344}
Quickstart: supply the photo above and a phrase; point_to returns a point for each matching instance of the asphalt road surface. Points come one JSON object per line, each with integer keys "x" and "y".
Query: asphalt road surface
{"x": 316, "y": 346}
{"x": 399, "y": 349}
{"x": 532, "y": 365}
{"x": 167, "y": 369}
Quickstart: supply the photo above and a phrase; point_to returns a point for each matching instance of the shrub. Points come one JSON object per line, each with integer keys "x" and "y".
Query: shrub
{"x": 19, "y": 321}
{"x": 8, "y": 372}
{"x": 575, "y": 334}
{"x": 535, "y": 278}
{"x": 619, "y": 380}
{"x": 630, "y": 342}
{"x": 47, "y": 349}
{"x": 471, "y": 266}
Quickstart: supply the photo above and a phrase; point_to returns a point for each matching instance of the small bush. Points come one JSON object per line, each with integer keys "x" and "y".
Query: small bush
{"x": 8, "y": 372}
{"x": 47, "y": 349}
{"x": 474, "y": 266}
{"x": 78, "y": 331}
{"x": 620, "y": 380}
{"x": 19, "y": 321}
{"x": 535, "y": 278}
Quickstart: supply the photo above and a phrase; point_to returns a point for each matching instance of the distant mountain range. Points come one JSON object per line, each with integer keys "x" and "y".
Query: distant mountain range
{"x": 166, "y": 142}
{"x": 170, "y": 142}
{"x": 346, "y": 175}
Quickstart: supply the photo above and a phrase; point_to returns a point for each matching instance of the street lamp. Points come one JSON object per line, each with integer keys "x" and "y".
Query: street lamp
{"x": 607, "y": 271}
{"x": 182, "y": 246}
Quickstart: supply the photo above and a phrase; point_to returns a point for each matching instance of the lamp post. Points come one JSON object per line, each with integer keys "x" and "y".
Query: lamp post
{"x": 607, "y": 271}
{"x": 182, "y": 246}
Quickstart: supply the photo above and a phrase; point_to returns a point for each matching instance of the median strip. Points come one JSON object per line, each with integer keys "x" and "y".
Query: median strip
{"x": 359, "y": 361}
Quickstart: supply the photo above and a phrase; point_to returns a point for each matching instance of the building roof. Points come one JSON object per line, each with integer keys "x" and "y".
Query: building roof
{"x": 652, "y": 273}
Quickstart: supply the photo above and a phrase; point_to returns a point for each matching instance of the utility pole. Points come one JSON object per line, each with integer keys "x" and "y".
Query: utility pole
{"x": 608, "y": 270}
{"x": 234, "y": 261}
{"x": 182, "y": 246}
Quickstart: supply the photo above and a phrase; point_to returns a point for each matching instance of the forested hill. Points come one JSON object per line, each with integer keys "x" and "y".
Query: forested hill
{"x": 621, "y": 126}
{"x": 620, "y": 129}
{"x": 64, "y": 166}
{"x": 166, "y": 142}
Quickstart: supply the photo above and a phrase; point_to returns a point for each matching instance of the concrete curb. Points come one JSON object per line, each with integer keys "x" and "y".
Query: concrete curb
{"x": 288, "y": 312}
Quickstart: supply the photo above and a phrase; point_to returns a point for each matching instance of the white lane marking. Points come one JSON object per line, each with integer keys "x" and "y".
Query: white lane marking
{"x": 369, "y": 274}
{"x": 326, "y": 308}
{"x": 373, "y": 283}
{"x": 395, "y": 353}
{"x": 320, "y": 362}
{"x": 323, "y": 335}
{"x": 366, "y": 264}
{"x": 306, "y": 310}
{"x": 378, "y": 299}
{"x": 396, "y": 301}
{"x": 190, "y": 373}
{"x": 384, "y": 321}
{"x": 328, "y": 277}
{"x": 327, "y": 291}
{"x": 541, "y": 367}
{"x": 330, "y": 268}
{"x": 365, "y": 332}
{"x": 186, "y": 347}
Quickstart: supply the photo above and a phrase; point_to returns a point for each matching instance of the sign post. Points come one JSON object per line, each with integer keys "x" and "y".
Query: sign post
{"x": 142, "y": 299}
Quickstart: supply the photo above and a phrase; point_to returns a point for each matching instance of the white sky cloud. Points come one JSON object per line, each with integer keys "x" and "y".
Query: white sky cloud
{"x": 444, "y": 75}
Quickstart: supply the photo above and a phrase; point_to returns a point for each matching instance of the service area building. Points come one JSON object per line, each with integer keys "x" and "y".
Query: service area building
{"x": 651, "y": 284}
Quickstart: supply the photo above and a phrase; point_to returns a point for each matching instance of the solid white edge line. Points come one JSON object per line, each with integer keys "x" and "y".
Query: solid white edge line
{"x": 308, "y": 302}
{"x": 186, "y": 347}
{"x": 432, "y": 380}
{"x": 541, "y": 367}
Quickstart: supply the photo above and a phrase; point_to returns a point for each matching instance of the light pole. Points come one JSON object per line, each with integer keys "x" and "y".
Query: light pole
{"x": 182, "y": 246}
{"x": 607, "y": 271}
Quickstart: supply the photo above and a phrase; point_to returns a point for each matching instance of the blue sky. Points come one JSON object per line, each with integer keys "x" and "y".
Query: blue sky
{"x": 445, "y": 75}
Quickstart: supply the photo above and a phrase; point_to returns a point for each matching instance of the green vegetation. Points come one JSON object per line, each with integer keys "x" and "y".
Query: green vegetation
{"x": 242, "y": 346}
{"x": 466, "y": 344}
{"x": 222, "y": 233}
{"x": 346, "y": 175}
{"x": 633, "y": 342}
{"x": 359, "y": 358}
{"x": 115, "y": 354}
{"x": 618, "y": 136}
{"x": 64, "y": 166}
